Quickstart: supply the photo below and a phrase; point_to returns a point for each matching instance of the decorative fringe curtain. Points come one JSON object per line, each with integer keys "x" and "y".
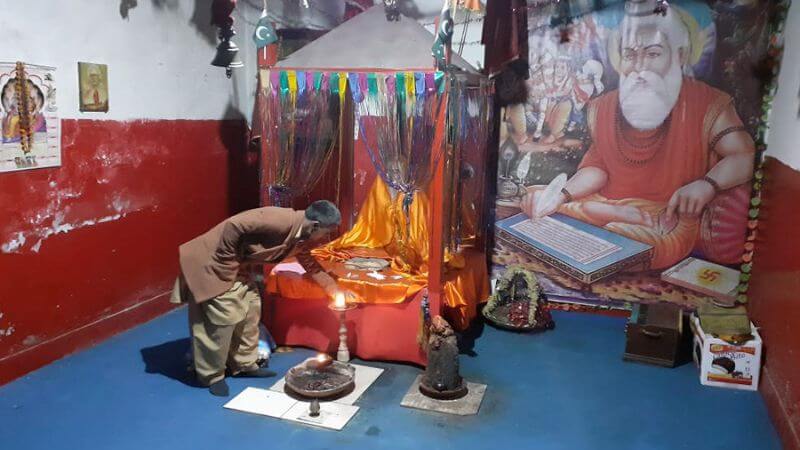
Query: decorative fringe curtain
{"x": 397, "y": 116}
{"x": 300, "y": 112}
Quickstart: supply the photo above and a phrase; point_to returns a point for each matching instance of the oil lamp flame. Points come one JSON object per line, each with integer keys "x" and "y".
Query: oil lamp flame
{"x": 339, "y": 300}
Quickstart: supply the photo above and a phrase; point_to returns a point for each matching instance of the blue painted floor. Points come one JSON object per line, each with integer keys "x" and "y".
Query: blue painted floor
{"x": 563, "y": 389}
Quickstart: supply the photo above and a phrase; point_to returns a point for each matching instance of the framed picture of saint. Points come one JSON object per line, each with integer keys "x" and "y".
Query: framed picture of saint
{"x": 93, "y": 87}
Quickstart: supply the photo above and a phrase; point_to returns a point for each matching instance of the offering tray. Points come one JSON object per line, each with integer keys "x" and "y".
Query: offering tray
{"x": 367, "y": 264}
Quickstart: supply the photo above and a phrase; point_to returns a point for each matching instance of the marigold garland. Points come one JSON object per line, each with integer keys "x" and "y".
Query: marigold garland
{"x": 773, "y": 58}
{"x": 24, "y": 108}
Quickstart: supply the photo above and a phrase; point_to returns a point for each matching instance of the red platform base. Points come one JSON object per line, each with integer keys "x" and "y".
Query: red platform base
{"x": 386, "y": 332}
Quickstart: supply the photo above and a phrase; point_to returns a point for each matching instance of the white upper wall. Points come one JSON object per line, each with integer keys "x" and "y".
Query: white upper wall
{"x": 158, "y": 59}
{"x": 783, "y": 141}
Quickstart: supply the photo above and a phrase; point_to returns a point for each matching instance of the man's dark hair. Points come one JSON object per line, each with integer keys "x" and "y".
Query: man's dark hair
{"x": 325, "y": 213}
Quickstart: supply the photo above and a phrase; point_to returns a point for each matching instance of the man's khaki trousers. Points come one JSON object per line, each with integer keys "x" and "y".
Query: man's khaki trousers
{"x": 225, "y": 332}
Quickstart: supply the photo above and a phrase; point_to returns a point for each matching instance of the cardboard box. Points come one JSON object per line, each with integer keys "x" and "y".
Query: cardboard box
{"x": 726, "y": 365}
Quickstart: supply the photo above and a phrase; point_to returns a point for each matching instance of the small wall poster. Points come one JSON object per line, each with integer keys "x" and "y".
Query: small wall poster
{"x": 30, "y": 133}
{"x": 93, "y": 81}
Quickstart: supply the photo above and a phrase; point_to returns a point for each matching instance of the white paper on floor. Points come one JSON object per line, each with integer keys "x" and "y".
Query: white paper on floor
{"x": 279, "y": 405}
{"x": 275, "y": 403}
{"x": 331, "y": 415}
{"x": 262, "y": 401}
{"x": 365, "y": 376}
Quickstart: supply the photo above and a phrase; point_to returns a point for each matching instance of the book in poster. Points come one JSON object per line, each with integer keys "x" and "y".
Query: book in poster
{"x": 581, "y": 251}
{"x": 30, "y": 131}
{"x": 661, "y": 155}
{"x": 711, "y": 279}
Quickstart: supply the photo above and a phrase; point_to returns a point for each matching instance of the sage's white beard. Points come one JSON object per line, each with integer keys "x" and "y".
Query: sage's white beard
{"x": 646, "y": 105}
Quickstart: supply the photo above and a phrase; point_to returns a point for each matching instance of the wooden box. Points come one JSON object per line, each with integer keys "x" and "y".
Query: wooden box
{"x": 655, "y": 335}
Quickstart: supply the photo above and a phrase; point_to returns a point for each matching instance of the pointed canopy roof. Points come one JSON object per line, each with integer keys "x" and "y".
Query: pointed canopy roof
{"x": 369, "y": 42}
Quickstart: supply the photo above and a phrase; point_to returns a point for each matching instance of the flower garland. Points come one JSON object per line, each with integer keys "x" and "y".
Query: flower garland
{"x": 532, "y": 314}
{"x": 24, "y": 108}
{"x": 772, "y": 64}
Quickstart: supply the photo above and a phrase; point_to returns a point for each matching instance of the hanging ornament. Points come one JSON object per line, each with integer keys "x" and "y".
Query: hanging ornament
{"x": 227, "y": 51}
{"x": 661, "y": 7}
{"x": 564, "y": 33}
{"x": 562, "y": 19}
{"x": 392, "y": 10}
{"x": 471, "y": 5}
{"x": 125, "y": 6}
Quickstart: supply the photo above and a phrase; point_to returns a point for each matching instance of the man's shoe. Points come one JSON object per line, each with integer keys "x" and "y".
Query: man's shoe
{"x": 255, "y": 373}
{"x": 220, "y": 388}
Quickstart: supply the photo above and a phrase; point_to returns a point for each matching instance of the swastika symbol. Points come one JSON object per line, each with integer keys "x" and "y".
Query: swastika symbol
{"x": 709, "y": 275}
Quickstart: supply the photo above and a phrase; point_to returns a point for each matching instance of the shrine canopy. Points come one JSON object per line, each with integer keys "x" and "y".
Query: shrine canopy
{"x": 369, "y": 91}
{"x": 402, "y": 125}
{"x": 369, "y": 42}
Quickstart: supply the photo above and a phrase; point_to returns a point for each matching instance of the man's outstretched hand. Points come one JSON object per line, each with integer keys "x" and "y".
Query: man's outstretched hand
{"x": 690, "y": 200}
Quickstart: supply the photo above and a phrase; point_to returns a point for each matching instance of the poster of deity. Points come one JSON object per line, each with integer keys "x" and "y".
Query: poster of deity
{"x": 30, "y": 135}
{"x": 634, "y": 150}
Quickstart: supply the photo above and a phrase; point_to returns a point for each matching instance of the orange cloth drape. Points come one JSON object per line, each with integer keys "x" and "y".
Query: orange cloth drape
{"x": 382, "y": 230}
{"x": 382, "y": 224}
{"x": 395, "y": 288}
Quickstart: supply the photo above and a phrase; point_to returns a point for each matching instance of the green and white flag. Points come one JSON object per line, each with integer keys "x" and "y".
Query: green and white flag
{"x": 444, "y": 36}
{"x": 265, "y": 33}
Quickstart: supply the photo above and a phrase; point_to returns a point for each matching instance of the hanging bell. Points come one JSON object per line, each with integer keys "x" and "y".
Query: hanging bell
{"x": 227, "y": 56}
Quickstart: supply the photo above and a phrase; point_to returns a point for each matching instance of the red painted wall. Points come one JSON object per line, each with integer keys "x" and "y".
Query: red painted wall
{"x": 775, "y": 297}
{"x": 127, "y": 194}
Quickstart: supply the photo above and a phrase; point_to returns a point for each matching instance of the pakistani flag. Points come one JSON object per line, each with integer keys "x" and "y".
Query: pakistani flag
{"x": 264, "y": 34}
{"x": 443, "y": 36}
